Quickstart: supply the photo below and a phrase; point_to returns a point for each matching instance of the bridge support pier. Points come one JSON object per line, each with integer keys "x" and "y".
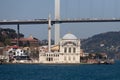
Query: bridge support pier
{"x": 57, "y": 17}
{"x": 18, "y": 32}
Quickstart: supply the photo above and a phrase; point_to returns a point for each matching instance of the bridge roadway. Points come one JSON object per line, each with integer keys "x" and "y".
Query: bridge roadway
{"x": 45, "y": 21}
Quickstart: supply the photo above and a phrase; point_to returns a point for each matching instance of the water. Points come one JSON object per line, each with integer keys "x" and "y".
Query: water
{"x": 59, "y": 72}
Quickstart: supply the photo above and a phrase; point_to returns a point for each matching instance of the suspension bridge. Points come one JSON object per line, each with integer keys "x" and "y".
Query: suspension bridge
{"x": 56, "y": 21}
{"x": 45, "y": 21}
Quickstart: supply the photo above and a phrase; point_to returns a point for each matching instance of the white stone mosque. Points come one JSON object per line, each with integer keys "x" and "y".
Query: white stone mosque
{"x": 67, "y": 51}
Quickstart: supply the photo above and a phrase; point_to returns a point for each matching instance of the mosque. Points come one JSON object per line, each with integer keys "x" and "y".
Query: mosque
{"x": 67, "y": 51}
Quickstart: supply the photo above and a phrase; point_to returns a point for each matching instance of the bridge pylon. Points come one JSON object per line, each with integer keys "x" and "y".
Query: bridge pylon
{"x": 57, "y": 25}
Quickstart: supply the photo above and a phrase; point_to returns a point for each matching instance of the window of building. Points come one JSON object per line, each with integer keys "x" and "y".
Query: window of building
{"x": 74, "y": 50}
{"x": 14, "y": 53}
{"x": 65, "y": 50}
{"x": 69, "y": 50}
{"x": 56, "y": 55}
{"x": 49, "y": 59}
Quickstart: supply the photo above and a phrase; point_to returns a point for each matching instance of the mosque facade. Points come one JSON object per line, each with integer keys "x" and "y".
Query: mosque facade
{"x": 67, "y": 51}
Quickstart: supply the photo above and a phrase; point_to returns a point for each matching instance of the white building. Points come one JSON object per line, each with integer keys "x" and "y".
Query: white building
{"x": 68, "y": 51}
{"x": 17, "y": 55}
{"x": 19, "y": 52}
{"x": 16, "y": 52}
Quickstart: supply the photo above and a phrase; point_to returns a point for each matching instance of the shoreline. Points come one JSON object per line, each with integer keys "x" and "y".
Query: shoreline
{"x": 59, "y": 63}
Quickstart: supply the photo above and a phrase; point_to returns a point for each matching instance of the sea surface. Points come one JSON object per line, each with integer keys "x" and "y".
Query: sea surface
{"x": 60, "y": 72}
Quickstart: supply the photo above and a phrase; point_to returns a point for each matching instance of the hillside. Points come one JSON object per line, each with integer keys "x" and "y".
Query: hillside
{"x": 108, "y": 42}
{"x": 6, "y": 34}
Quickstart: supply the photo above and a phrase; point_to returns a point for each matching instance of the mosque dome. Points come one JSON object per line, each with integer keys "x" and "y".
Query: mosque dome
{"x": 69, "y": 36}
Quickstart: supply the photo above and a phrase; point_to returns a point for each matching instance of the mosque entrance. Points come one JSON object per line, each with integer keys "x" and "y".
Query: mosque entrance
{"x": 49, "y": 59}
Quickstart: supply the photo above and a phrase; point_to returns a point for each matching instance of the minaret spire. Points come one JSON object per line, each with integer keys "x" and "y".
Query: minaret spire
{"x": 49, "y": 34}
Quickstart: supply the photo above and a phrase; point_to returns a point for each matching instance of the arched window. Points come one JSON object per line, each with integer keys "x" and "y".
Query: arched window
{"x": 74, "y": 50}
{"x": 69, "y": 50}
{"x": 65, "y": 50}
{"x": 49, "y": 59}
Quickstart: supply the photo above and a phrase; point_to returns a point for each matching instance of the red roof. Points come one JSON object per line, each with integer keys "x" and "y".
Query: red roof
{"x": 27, "y": 39}
{"x": 15, "y": 46}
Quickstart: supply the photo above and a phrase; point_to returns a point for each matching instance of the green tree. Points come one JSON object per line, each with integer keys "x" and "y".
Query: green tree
{"x": 7, "y": 42}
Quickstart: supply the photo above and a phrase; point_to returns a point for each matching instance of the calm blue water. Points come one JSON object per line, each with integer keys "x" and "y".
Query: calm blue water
{"x": 59, "y": 72}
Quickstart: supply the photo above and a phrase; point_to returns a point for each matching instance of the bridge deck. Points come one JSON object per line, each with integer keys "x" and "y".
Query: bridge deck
{"x": 12, "y": 22}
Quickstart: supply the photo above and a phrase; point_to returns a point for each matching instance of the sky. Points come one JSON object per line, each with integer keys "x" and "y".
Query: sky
{"x": 70, "y": 9}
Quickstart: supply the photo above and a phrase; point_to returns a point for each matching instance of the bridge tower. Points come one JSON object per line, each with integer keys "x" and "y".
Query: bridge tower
{"x": 57, "y": 25}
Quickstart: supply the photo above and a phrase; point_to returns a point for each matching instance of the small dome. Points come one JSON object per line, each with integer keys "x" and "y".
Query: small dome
{"x": 69, "y": 36}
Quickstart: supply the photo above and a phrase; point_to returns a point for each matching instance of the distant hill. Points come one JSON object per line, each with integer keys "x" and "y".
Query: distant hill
{"x": 6, "y": 34}
{"x": 108, "y": 42}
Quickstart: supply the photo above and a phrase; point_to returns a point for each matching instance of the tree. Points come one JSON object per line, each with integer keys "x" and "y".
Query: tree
{"x": 7, "y": 42}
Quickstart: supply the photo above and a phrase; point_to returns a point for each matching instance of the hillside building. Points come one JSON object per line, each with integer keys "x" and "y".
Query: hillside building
{"x": 30, "y": 41}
